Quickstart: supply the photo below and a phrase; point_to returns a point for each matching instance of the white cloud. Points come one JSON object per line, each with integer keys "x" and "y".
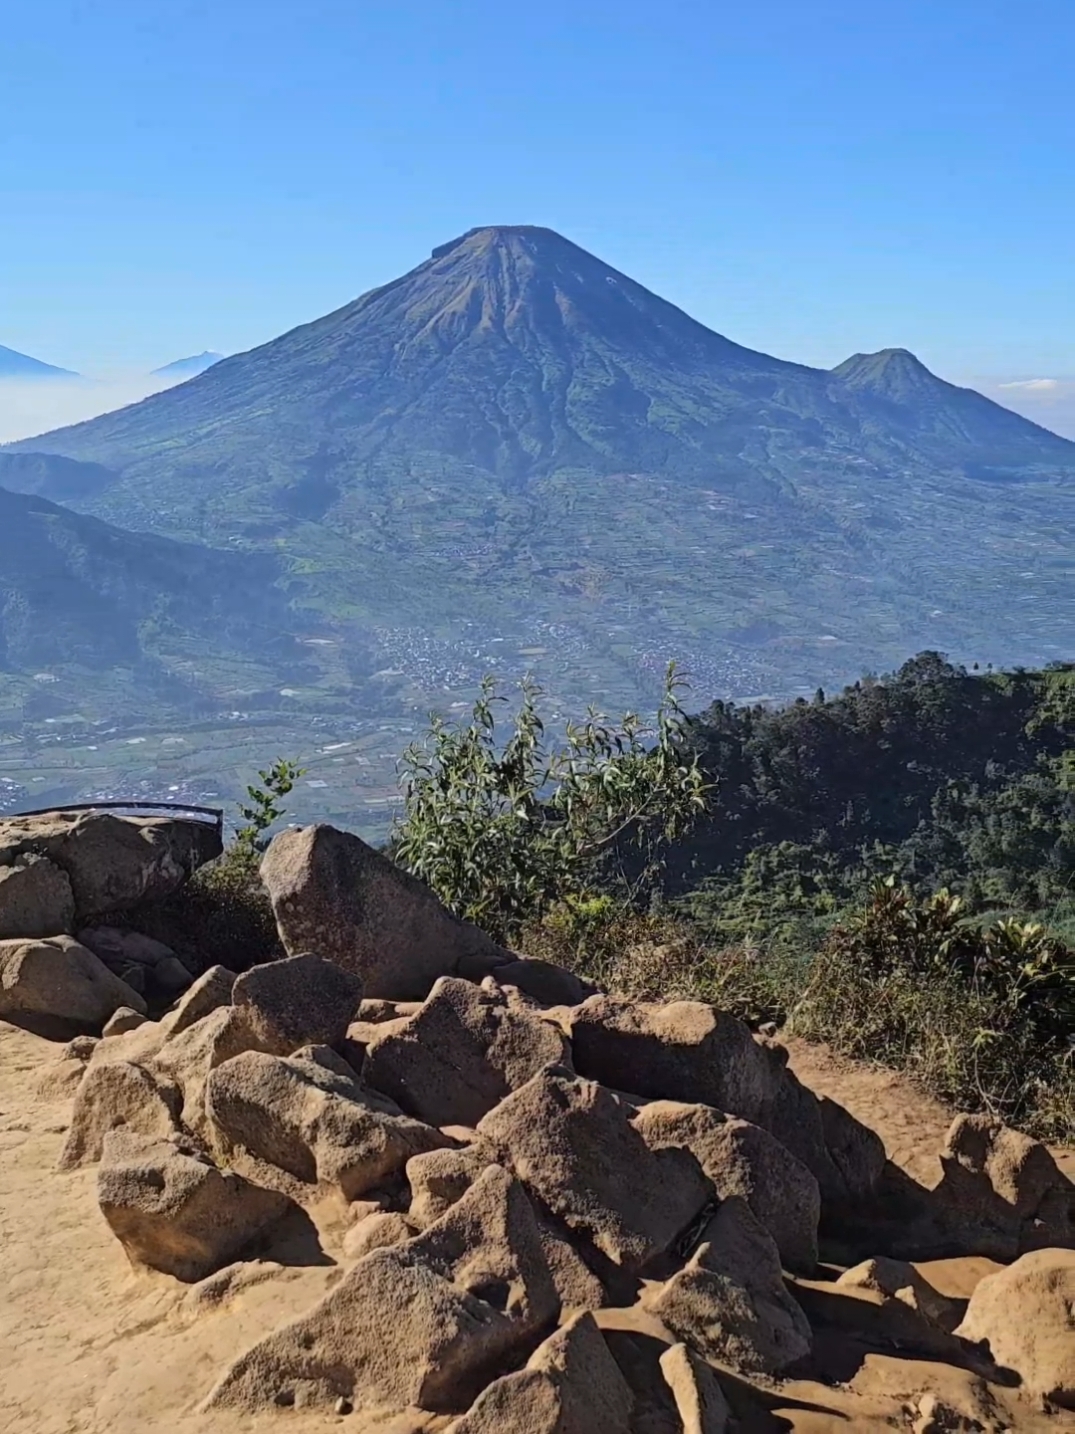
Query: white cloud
{"x": 1048, "y": 401}
{"x": 31, "y": 407}
{"x": 1032, "y": 385}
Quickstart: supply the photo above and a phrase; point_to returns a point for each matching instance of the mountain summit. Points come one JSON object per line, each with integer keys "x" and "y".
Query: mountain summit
{"x": 517, "y": 435}
{"x": 16, "y": 365}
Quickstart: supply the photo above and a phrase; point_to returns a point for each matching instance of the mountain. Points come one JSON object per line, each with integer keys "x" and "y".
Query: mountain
{"x": 16, "y": 365}
{"x": 64, "y": 480}
{"x": 516, "y": 441}
{"x": 85, "y": 604}
{"x": 188, "y": 367}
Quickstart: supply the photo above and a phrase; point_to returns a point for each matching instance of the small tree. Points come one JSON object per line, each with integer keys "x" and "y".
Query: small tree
{"x": 264, "y": 807}
{"x": 501, "y": 833}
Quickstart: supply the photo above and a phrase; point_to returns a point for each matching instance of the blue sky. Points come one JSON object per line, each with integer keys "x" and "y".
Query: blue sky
{"x": 811, "y": 177}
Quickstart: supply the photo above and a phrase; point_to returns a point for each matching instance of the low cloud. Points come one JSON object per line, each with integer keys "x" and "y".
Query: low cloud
{"x": 1048, "y": 401}
{"x": 1032, "y": 385}
{"x": 31, "y": 407}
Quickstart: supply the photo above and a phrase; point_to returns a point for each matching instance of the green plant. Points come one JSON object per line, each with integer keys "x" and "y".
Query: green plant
{"x": 264, "y": 808}
{"x": 503, "y": 832}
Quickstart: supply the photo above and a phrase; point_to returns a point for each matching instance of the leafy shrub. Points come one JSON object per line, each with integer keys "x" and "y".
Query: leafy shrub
{"x": 504, "y": 831}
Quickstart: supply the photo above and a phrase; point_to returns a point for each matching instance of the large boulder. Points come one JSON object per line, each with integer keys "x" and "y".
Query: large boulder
{"x": 208, "y": 993}
{"x": 898, "y": 1280}
{"x": 114, "y": 1095}
{"x": 153, "y": 968}
{"x": 683, "y": 1050}
{"x": 333, "y": 894}
{"x": 729, "y": 1302}
{"x": 743, "y": 1159}
{"x": 699, "y": 1399}
{"x": 308, "y": 1115}
{"x": 857, "y": 1151}
{"x": 1026, "y": 1315}
{"x": 1006, "y": 1186}
{"x": 60, "y": 980}
{"x": 571, "y": 1385}
{"x": 543, "y": 982}
{"x": 572, "y": 1143}
{"x": 301, "y": 1001}
{"x": 186, "y": 1059}
{"x": 441, "y": 1177}
{"x": 35, "y": 899}
{"x": 113, "y": 862}
{"x": 419, "y": 1325}
{"x": 464, "y": 1051}
{"x": 795, "y": 1119}
{"x": 173, "y": 1210}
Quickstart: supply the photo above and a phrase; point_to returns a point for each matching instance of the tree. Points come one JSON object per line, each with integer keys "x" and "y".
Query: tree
{"x": 503, "y": 832}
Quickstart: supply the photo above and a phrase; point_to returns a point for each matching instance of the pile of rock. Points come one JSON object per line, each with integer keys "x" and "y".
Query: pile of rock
{"x": 60, "y": 876}
{"x": 517, "y": 1156}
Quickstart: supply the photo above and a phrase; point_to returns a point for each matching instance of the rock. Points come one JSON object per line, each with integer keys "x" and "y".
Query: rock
{"x": 543, "y": 982}
{"x": 333, "y": 894}
{"x": 441, "y": 1177}
{"x": 35, "y": 899}
{"x": 895, "y": 1279}
{"x": 121, "y": 1021}
{"x": 571, "y": 1142}
{"x": 584, "y": 1280}
{"x": 463, "y": 1052}
{"x": 1026, "y": 1314}
{"x": 82, "y": 1048}
{"x": 208, "y": 993}
{"x": 170, "y": 978}
{"x": 683, "y": 1051}
{"x": 318, "y": 1124}
{"x": 729, "y": 1302}
{"x": 134, "y": 976}
{"x": 118, "y": 948}
{"x": 699, "y": 1399}
{"x": 301, "y": 1001}
{"x": 189, "y": 1057}
{"x": 173, "y": 1210}
{"x": 393, "y": 1334}
{"x": 857, "y": 1151}
{"x": 1006, "y": 1184}
{"x": 113, "y": 862}
{"x": 60, "y": 979}
{"x": 60, "y": 1079}
{"x": 118, "y": 1095}
{"x": 934, "y": 1416}
{"x": 375, "y": 1012}
{"x": 743, "y": 1159}
{"x": 377, "y": 1232}
{"x": 794, "y": 1117}
{"x": 571, "y": 1385}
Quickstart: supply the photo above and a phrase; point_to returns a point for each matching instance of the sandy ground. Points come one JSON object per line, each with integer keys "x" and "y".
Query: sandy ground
{"x": 87, "y": 1345}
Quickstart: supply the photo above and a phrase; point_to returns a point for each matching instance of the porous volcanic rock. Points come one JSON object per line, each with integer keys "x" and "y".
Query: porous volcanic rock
{"x": 743, "y": 1159}
{"x": 333, "y": 894}
{"x": 173, "y": 1210}
{"x": 572, "y": 1143}
{"x": 461, "y": 1054}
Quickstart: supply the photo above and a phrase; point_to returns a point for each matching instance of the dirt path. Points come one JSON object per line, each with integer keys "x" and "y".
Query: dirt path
{"x": 88, "y": 1346}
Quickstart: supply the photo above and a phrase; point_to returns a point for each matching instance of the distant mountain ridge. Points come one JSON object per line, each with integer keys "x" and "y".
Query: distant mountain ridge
{"x": 517, "y": 436}
{"x": 188, "y": 367}
{"x": 16, "y": 365}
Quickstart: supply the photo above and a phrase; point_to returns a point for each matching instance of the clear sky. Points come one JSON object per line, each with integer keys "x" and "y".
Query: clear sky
{"x": 810, "y": 177}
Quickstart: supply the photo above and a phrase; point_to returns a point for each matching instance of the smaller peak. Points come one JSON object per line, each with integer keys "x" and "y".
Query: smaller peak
{"x": 891, "y": 373}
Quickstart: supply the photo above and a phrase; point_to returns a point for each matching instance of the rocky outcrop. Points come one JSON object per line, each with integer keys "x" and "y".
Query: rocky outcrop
{"x": 335, "y": 895}
{"x": 35, "y": 898}
{"x": 60, "y": 980}
{"x": 116, "y": 1095}
{"x": 1026, "y": 1316}
{"x": 302, "y": 1001}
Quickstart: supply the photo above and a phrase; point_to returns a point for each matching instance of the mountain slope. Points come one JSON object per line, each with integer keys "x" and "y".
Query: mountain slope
{"x": 16, "y": 365}
{"x": 79, "y": 595}
{"x": 188, "y": 367}
{"x": 50, "y": 475}
{"x": 516, "y": 436}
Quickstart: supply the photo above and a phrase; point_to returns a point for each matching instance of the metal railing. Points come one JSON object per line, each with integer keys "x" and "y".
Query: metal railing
{"x": 216, "y": 813}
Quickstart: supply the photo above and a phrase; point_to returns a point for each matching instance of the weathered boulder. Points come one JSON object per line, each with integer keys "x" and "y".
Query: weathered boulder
{"x": 188, "y": 1058}
{"x": 794, "y": 1117}
{"x": 461, "y": 1054}
{"x": 1026, "y": 1315}
{"x": 333, "y": 894}
{"x": 571, "y": 1385}
{"x": 122, "y": 1021}
{"x": 421, "y": 1324}
{"x": 173, "y": 1210}
{"x": 62, "y": 1077}
{"x": 300, "y": 1001}
{"x": 898, "y": 1280}
{"x": 544, "y": 983}
{"x": 441, "y": 1177}
{"x": 208, "y": 993}
{"x": 684, "y": 1051}
{"x": 743, "y": 1159}
{"x": 35, "y": 899}
{"x": 729, "y": 1302}
{"x": 60, "y": 980}
{"x": 1007, "y": 1186}
{"x": 699, "y": 1399}
{"x": 115, "y": 1095}
{"x": 314, "y": 1121}
{"x": 118, "y": 948}
{"x": 857, "y": 1151}
{"x": 113, "y": 862}
{"x": 378, "y": 1231}
{"x": 572, "y": 1143}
